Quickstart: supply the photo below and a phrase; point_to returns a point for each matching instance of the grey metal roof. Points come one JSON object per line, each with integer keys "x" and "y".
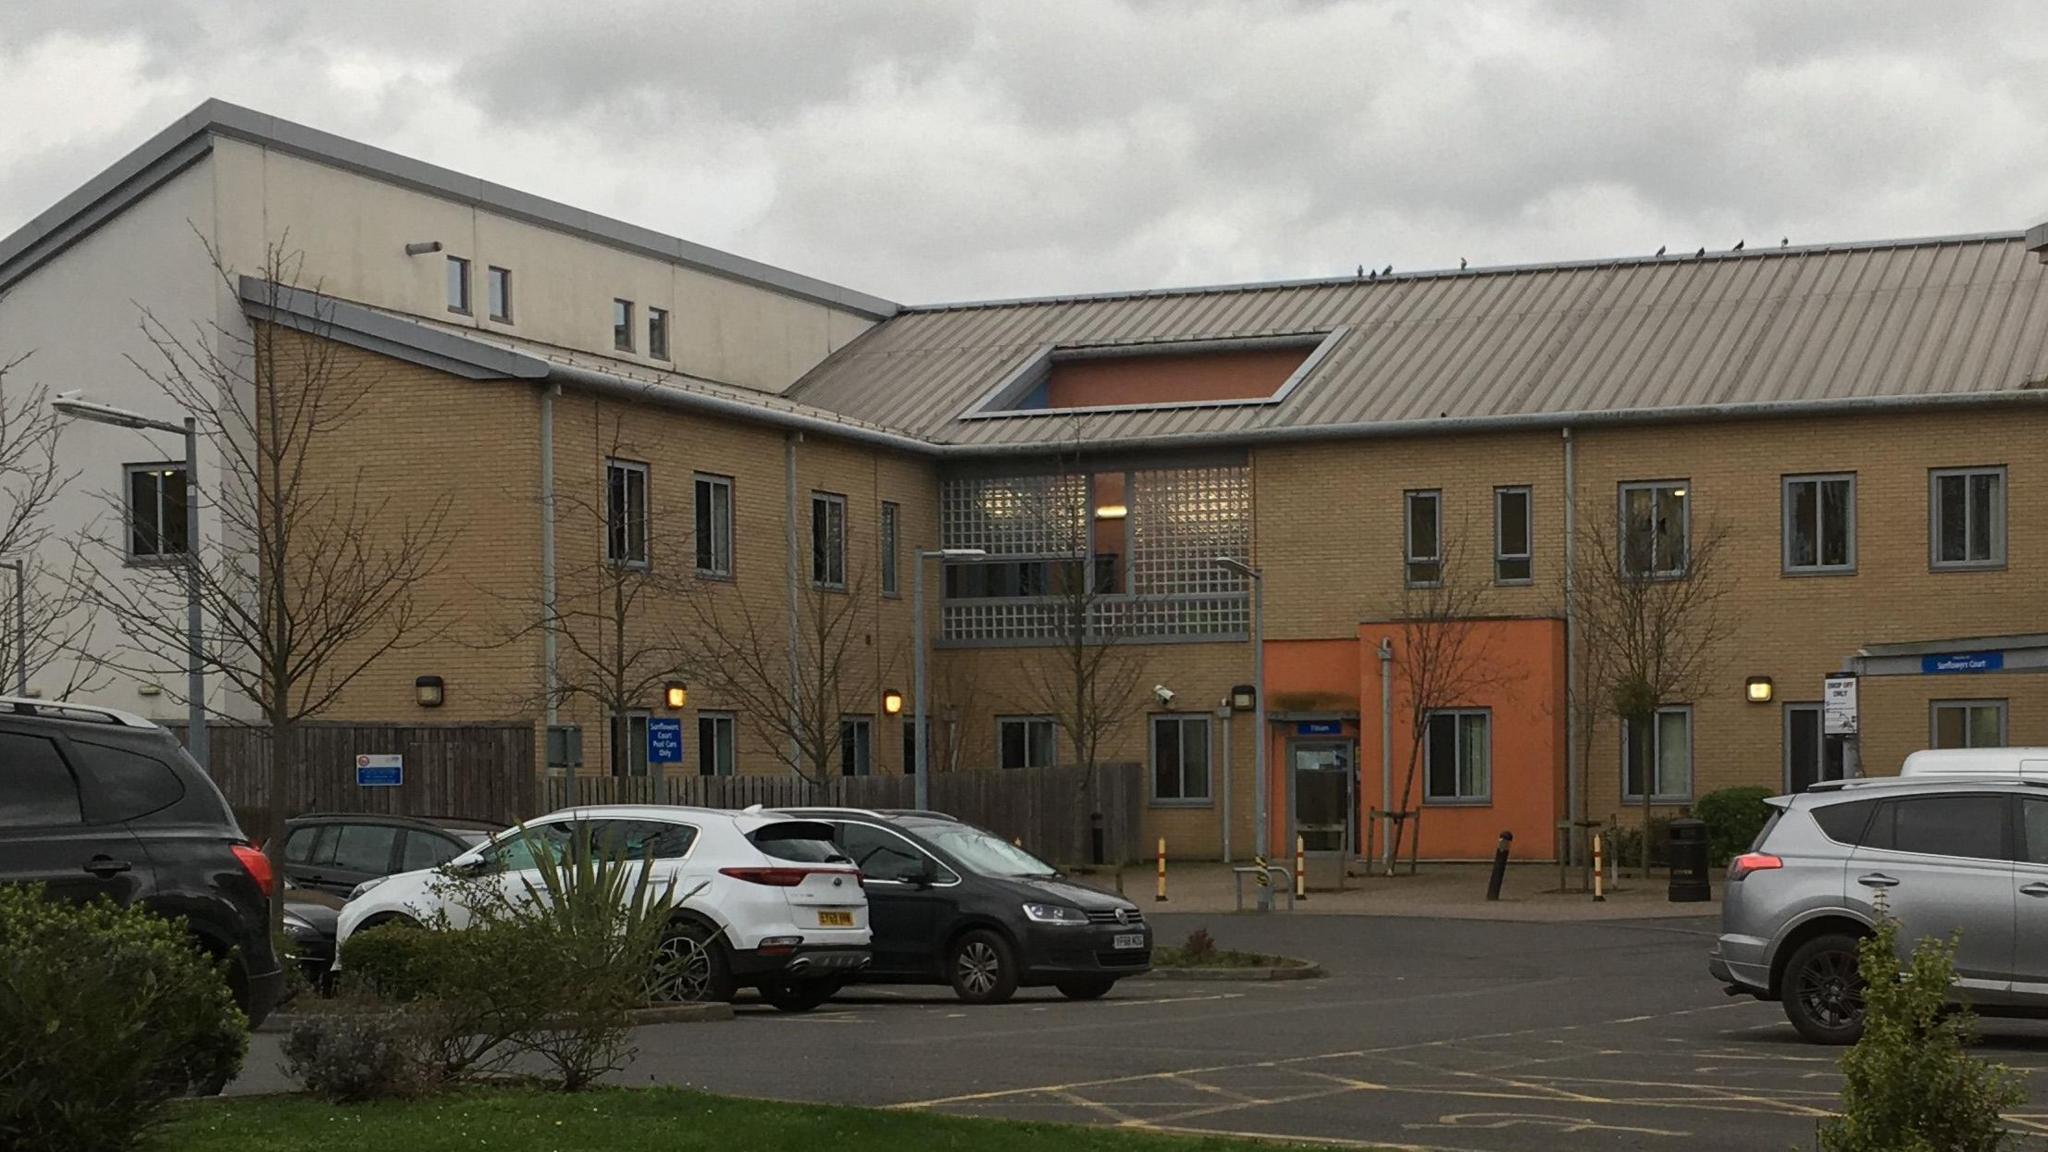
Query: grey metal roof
{"x": 1905, "y": 323}
{"x": 191, "y": 137}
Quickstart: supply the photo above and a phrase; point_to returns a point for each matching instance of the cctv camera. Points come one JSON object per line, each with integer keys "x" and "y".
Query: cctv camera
{"x": 1164, "y": 693}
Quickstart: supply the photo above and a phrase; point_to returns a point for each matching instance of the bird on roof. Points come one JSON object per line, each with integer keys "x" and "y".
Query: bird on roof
{"x": 1461, "y": 263}
{"x": 1784, "y": 241}
{"x": 1737, "y": 248}
{"x": 1660, "y": 249}
{"x": 1701, "y": 254}
{"x": 1373, "y": 275}
{"x": 1361, "y": 271}
{"x": 1387, "y": 271}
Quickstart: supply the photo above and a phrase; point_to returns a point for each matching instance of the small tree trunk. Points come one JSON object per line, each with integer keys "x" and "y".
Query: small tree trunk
{"x": 280, "y": 812}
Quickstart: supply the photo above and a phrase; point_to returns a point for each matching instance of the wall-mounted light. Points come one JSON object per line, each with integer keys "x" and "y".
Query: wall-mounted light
{"x": 1757, "y": 689}
{"x": 429, "y": 691}
{"x": 892, "y": 701}
{"x": 1112, "y": 512}
{"x": 1678, "y": 492}
{"x": 1244, "y": 697}
{"x": 676, "y": 695}
{"x": 422, "y": 247}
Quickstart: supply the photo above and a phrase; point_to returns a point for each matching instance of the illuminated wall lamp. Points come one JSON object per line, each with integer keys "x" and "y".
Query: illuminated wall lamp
{"x": 1757, "y": 689}
{"x": 1112, "y": 512}
{"x": 892, "y": 701}
{"x": 675, "y": 695}
{"x": 430, "y": 691}
{"x": 1244, "y": 697}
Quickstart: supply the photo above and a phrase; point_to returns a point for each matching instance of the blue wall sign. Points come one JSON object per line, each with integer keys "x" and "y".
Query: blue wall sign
{"x": 664, "y": 740}
{"x": 1319, "y": 728}
{"x": 1962, "y": 662}
{"x": 380, "y": 771}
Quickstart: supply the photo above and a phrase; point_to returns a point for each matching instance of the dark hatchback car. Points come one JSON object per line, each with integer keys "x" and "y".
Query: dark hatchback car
{"x": 96, "y": 802}
{"x": 334, "y": 852}
{"x": 950, "y": 903}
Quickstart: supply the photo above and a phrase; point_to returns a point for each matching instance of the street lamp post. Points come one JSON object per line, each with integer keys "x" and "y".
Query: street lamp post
{"x": 920, "y": 738}
{"x": 68, "y": 404}
{"x": 1260, "y": 737}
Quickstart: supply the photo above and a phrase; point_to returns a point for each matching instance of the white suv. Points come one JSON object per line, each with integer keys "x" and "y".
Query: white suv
{"x": 763, "y": 900}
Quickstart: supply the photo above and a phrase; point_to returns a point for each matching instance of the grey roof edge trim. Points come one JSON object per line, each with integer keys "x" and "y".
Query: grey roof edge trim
{"x": 1488, "y": 270}
{"x": 647, "y": 391}
{"x": 218, "y": 117}
{"x": 86, "y": 208}
{"x": 309, "y": 311}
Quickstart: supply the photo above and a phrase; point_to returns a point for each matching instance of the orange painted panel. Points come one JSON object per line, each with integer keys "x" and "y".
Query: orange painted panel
{"x": 1167, "y": 379}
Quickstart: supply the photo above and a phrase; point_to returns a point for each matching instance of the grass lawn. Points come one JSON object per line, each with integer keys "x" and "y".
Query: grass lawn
{"x": 619, "y": 1119}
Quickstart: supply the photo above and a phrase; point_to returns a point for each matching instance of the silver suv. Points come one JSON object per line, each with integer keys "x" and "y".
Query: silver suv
{"x": 1949, "y": 856}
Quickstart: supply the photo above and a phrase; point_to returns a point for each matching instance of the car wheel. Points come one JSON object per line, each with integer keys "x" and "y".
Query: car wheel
{"x": 798, "y": 995}
{"x": 982, "y": 968}
{"x": 1085, "y": 987}
{"x": 689, "y": 965}
{"x": 1823, "y": 990}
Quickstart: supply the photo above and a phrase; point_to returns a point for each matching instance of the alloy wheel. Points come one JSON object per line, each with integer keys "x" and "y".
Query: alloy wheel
{"x": 681, "y": 972}
{"x": 1830, "y": 989}
{"x": 979, "y": 967}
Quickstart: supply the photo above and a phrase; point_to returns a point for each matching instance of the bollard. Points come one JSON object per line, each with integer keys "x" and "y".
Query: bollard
{"x": 1500, "y": 866}
{"x": 1161, "y": 898}
{"x": 1300, "y": 869}
{"x": 1599, "y": 871}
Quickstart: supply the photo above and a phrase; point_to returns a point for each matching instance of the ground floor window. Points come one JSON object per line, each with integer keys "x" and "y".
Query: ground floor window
{"x": 565, "y": 748}
{"x": 1969, "y": 723}
{"x": 715, "y": 744}
{"x": 1025, "y": 742}
{"x": 856, "y": 746}
{"x": 1811, "y": 756}
{"x": 1658, "y": 748}
{"x": 629, "y": 744}
{"x": 1458, "y": 755}
{"x": 1180, "y": 758}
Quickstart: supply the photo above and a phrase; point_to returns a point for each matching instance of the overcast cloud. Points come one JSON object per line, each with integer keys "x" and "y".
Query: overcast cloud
{"x": 944, "y": 150}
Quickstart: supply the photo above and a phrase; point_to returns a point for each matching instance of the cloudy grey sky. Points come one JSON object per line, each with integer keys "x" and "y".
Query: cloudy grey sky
{"x": 942, "y": 149}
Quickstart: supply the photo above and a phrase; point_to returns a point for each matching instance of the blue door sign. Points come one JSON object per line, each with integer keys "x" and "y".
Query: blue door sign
{"x": 664, "y": 740}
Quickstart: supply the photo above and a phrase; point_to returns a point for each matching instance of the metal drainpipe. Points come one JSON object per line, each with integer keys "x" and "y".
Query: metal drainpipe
{"x": 551, "y": 672}
{"x": 1387, "y": 746}
{"x": 1223, "y": 713}
{"x": 789, "y": 443}
{"x": 1574, "y": 786}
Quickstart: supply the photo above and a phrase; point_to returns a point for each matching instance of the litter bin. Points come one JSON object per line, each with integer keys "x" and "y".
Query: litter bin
{"x": 1688, "y": 855}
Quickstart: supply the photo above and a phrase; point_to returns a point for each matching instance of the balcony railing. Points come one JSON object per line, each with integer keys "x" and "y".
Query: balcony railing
{"x": 1026, "y": 620}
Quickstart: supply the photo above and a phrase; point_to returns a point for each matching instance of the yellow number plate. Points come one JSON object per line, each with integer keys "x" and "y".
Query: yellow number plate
{"x": 835, "y": 919}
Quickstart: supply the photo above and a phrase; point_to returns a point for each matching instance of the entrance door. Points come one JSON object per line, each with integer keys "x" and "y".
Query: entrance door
{"x": 1323, "y": 808}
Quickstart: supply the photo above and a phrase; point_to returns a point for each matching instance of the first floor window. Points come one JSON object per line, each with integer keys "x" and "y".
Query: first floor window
{"x": 1969, "y": 723}
{"x": 629, "y": 744}
{"x": 1811, "y": 756}
{"x": 1025, "y": 742}
{"x": 458, "y": 285}
{"x": 565, "y": 748}
{"x": 1820, "y": 524}
{"x": 1658, "y": 748}
{"x": 714, "y": 744}
{"x": 156, "y": 511}
{"x": 828, "y": 540}
{"x": 856, "y": 746}
{"x": 499, "y": 282}
{"x": 625, "y": 512}
{"x": 622, "y": 325}
{"x": 890, "y": 514}
{"x": 1966, "y": 518}
{"x": 714, "y": 526}
{"x": 1654, "y": 528}
{"x": 1425, "y": 537}
{"x": 1458, "y": 757}
{"x": 1512, "y": 550}
{"x": 1180, "y": 758}
{"x": 657, "y": 333}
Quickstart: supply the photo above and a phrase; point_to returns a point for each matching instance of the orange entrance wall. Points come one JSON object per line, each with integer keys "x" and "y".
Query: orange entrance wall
{"x": 1525, "y": 695}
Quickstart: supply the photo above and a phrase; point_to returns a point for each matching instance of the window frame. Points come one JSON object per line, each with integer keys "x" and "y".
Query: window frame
{"x": 1481, "y": 800}
{"x": 497, "y": 289}
{"x": 857, "y": 722}
{"x": 1409, "y": 559}
{"x": 657, "y": 325}
{"x": 572, "y": 746}
{"x": 1999, "y": 519}
{"x": 1789, "y": 567}
{"x": 457, "y": 276}
{"x": 2001, "y": 705}
{"x": 700, "y": 482}
{"x": 730, "y": 742}
{"x": 629, "y": 744}
{"x": 1691, "y": 765}
{"x": 1052, "y": 740}
{"x": 168, "y": 552}
{"x": 822, "y": 563}
{"x": 891, "y": 529}
{"x": 628, "y": 468}
{"x": 1682, "y": 488}
{"x": 1500, "y": 553}
{"x": 1183, "y": 720}
{"x": 622, "y": 325}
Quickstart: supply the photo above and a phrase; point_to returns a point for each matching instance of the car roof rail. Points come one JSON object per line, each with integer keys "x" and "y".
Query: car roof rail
{"x": 66, "y": 710}
{"x": 1862, "y": 782}
{"x": 923, "y": 813}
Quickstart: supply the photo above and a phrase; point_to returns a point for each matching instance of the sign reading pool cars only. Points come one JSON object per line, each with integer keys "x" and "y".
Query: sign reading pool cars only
{"x": 664, "y": 740}
{"x": 1838, "y": 706}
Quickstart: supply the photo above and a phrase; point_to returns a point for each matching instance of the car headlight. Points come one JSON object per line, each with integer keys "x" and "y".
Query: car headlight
{"x": 1054, "y": 914}
{"x": 297, "y": 927}
{"x": 366, "y": 885}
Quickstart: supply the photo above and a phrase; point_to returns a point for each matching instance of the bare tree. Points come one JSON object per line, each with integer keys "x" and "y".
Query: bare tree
{"x": 316, "y": 575}
{"x": 1088, "y": 680}
{"x": 1649, "y": 604}
{"x": 46, "y": 621}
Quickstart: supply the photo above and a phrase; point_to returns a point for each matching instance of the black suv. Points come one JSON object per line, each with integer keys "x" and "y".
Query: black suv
{"x": 334, "y": 852}
{"x": 95, "y": 802}
{"x": 950, "y": 903}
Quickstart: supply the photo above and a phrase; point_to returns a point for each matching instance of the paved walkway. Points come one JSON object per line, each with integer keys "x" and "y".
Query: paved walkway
{"x": 1437, "y": 891}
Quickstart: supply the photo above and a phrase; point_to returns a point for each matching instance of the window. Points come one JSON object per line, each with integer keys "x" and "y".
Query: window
{"x": 1425, "y": 538}
{"x": 1969, "y": 826}
{"x": 565, "y": 748}
{"x": 1512, "y": 563}
{"x": 856, "y": 746}
{"x": 622, "y": 325}
{"x": 498, "y": 293}
{"x": 365, "y": 848}
{"x": 156, "y": 511}
{"x": 458, "y": 285}
{"x": 1966, "y": 517}
{"x": 1820, "y": 524}
{"x": 1180, "y": 758}
{"x": 1810, "y": 756}
{"x": 299, "y": 848}
{"x": 131, "y": 784}
{"x": 828, "y": 540}
{"x": 625, "y": 512}
{"x": 657, "y": 332}
{"x": 1459, "y": 758}
{"x": 37, "y": 789}
{"x": 714, "y": 744}
{"x": 2034, "y": 828}
{"x": 1025, "y": 742}
{"x": 629, "y": 744}
{"x": 1969, "y": 723}
{"x": 880, "y": 854}
{"x": 1654, "y": 524}
{"x": 1660, "y": 747}
{"x": 714, "y": 526}
{"x": 890, "y": 585}
{"x": 803, "y": 841}
{"x": 424, "y": 850}
{"x": 910, "y": 745}
{"x": 641, "y": 839}
{"x": 1843, "y": 823}
{"x": 515, "y": 851}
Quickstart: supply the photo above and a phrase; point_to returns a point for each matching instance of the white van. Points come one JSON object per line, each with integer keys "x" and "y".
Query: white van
{"x": 1982, "y": 763}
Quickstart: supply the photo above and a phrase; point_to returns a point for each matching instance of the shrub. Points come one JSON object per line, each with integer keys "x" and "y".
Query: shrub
{"x": 1199, "y": 946}
{"x": 105, "y": 1014}
{"x": 1734, "y": 817}
{"x": 1908, "y": 1084}
{"x": 356, "y": 1049}
{"x": 1624, "y": 844}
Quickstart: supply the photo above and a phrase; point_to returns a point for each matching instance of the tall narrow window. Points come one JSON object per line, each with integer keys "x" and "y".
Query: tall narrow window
{"x": 828, "y": 540}
{"x": 1820, "y": 524}
{"x": 1654, "y": 525}
{"x": 1658, "y": 748}
{"x": 625, "y": 512}
{"x": 1025, "y": 742}
{"x": 715, "y": 744}
{"x": 657, "y": 333}
{"x": 1512, "y": 561}
{"x": 565, "y": 748}
{"x": 1459, "y": 757}
{"x": 458, "y": 285}
{"x": 499, "y": 284}
{"x": 714, "y": 526}
{"x": 910, "y": 744}
{"x": 1425, "y": 536}
{"x": 629, "y": 744}
{"x": 1968, "y": 723}
{"x": 1966, "y": 517}
{"x": 156, "y": 511}
{"x": 622, "y": 325}
{"x": 1180, "y": 758}
{"x": 1811, "y": 756}
{"x": 856, "y": 746}
{"x": 889, "y": 517}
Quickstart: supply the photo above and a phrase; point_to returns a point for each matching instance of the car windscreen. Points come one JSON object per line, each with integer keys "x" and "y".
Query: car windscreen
{"x": 984, "y": 852}
{"x": 804, "y": 841}
{"x": 470, "y": 837}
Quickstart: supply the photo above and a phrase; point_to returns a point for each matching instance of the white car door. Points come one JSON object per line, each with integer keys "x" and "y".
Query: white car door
{"x": 679, "y": 871}
{"x": 505, "y": 869}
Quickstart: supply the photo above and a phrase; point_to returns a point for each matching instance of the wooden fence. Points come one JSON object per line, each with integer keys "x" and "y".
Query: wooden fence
{"x": 476, "y": 772}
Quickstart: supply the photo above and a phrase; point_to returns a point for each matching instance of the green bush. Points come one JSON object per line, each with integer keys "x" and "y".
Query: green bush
{"x": 1734, "y": 817}
{"x": 1624, "y": 843}
{"x": 352, "y": 1050}
{"x": 1908, "y": 1085}
{"x": 106, "y": 1013}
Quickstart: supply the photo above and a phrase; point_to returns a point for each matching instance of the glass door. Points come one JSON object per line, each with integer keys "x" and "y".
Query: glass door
{"x": 1323, "y": 807}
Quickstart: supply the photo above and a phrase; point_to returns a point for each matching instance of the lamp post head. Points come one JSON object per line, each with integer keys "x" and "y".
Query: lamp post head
{"x": 958, "y": 554}
{"x": 1236, "y": 567}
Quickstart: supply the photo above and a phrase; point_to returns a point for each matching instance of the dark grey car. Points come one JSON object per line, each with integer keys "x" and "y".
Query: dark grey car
{"x": 1965, "y": 858}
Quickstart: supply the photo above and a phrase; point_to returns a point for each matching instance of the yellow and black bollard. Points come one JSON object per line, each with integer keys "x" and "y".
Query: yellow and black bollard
{"x": 1599, "y": 871}
{"x": 1162, "y": 871}
{"x": 1300, "y": 869}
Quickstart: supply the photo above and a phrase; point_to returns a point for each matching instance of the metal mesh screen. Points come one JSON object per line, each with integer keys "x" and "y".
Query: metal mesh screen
{"x": 1181, "y": 521}
{"x": 1015, "y": 515}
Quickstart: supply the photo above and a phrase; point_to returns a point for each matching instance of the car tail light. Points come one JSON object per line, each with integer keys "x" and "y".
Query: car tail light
{"x": 257, "y": 865}
{"x": 1749, "y": 862}
{"x": 773, "y": 877}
